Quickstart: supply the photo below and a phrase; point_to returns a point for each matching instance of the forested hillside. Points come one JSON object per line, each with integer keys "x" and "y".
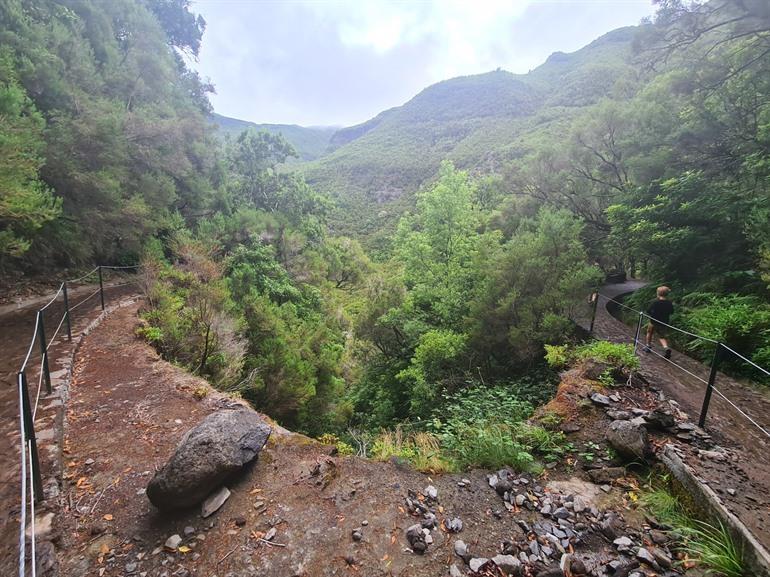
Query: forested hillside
{"x": 310, "y": 142}
{"x": 413, "y": 280}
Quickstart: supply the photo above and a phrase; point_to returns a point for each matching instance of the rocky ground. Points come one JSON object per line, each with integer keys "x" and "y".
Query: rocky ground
{"x": 301, "y": 510}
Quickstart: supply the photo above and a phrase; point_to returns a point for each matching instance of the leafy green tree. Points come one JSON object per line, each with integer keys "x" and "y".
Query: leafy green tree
{"x": 26, "y": 203}
{"x": 540, "y": 274}
{"x": 437, "y": 248}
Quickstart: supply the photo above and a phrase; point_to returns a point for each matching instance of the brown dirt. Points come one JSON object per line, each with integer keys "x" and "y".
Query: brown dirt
{"x": 128, "y": 411}
{"x": 747, "y": 472}
{"x": 16, "y": 325}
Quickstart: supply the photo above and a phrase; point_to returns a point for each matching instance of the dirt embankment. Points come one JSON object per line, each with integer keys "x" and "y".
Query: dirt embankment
{"x": 128, "y": 410}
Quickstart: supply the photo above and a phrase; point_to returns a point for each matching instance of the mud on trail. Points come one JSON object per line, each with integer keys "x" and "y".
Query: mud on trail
{"x": 129, "y": 409}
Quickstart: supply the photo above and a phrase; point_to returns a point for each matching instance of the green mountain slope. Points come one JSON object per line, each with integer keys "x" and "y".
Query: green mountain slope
{"x": 480, "y": 122}
{"x": 310, "y": 142}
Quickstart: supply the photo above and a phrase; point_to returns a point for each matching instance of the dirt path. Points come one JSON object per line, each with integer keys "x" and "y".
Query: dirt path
{"x": 748, "y": 473}
{"x": 129, "y": 409}
{"x": 16, "y": 326}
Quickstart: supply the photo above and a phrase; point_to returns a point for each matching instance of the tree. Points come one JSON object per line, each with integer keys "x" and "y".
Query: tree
{"x": 531, "y": 287}
{"x": 26, "y": 203}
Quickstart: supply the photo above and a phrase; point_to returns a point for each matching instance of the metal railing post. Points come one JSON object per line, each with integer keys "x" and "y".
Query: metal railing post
{"x": 29, "y": 435}
{"x": 101, "y": 287}
{"x": 44, "y": 352}
{"x": 710, "y": 385}
{"x": 595, "y": 297}
{"x": 67, "y": 312}
{"x": 638, "y": 330}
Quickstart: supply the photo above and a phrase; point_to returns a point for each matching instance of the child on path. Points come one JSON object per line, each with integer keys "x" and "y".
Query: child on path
{"x": 659, "y": 312}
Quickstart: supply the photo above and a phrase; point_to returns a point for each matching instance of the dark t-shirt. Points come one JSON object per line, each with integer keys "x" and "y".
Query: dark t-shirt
{"x": 660, "y": 310}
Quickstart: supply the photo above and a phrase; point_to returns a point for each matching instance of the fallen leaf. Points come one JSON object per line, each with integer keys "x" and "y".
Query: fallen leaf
{"x": 104, "y": 549}
{"x": 385, "y": 557}
{"x": 392, "y": 539}
{"x": 184, "y": 549}
{"x": 108, "y": 517}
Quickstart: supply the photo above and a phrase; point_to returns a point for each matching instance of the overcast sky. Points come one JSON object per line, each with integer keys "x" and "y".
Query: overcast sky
{"x": 329, "y": 62}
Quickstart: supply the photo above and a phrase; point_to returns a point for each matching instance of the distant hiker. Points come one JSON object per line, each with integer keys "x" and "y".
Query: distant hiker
{"x": 659, "y": 312}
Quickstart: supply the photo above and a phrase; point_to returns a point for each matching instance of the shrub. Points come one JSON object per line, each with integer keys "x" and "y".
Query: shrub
{"x": 343, "y": 448}
{"x": 420, "y": 449}
{"x": 709, "y": 544}
{"x": 619, "y": 356}
{"x": 486, "y": 427}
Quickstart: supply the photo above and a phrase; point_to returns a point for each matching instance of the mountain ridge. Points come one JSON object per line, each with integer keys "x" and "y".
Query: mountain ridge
{"x": 310, "y": 142}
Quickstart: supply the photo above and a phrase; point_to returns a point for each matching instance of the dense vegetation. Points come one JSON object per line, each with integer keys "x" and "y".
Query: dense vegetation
{"x": 473, "y": 215}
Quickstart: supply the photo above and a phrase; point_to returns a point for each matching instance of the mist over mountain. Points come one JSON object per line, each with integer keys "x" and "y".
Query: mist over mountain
{"x": 309, "y": 142}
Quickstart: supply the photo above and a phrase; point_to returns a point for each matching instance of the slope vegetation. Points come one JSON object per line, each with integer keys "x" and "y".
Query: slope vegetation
{"x": 479, "y": 122}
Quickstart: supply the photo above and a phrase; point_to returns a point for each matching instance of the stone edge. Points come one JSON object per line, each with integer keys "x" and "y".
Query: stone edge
{"x": 755, "y": 555}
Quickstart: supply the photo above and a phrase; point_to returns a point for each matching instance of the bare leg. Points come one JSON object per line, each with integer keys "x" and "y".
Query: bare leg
{"x": 664, "y": 342}
{"x": 650, "y": 331}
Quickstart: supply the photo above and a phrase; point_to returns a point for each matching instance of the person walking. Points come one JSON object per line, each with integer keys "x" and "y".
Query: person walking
{"x": 659, "y": 311}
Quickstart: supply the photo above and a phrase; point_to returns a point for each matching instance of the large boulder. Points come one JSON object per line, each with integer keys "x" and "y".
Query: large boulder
{"x": 629, "y": 439}
{"x": 208, "y": 454}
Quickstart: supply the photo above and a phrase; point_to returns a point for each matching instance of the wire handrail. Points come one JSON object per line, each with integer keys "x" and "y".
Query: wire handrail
{"x": 30, "y": 465}
{"x": 89, "y": 273}
{"x": 658, "y": 322}
{"x": 734, "y": 406}
{"x": 31, "y": 345}
{"x": 49, "y": 303}
{"x": 657, "y": 354}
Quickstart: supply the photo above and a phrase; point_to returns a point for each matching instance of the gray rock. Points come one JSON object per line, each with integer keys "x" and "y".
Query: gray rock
{"x": 660, "y": 420}
{"x": 663, "y": 560}
{"x": 477, "y": 563}
{"x": 628, "y": 439}
{"x": 454, "y": 571}
{"x": 454, "y": 525}
{"x": 208, "y": 454}
{"x": 416, "y": 538}
{"x": 600, "y": 399}
{"x": 356, "y": 535}
{"x": 561, "y": 513}
{"x": 520, "y": 500}
{"x": 508, "y": 564}
{"x": 173, "y": 542}
{"x": 578, "y": 504}
{"x": 623, "y": 543}
{"x": 606, "y": 475}
{"x": 646, "y": 557}
{"x": 618, "y": 415}
{"x": 214, "y": 501}
{"x": 188, "y": 531}
{"x": 461, "y": 549}
{"x": 130, "y": 567}
{"x": 431, "y": 492}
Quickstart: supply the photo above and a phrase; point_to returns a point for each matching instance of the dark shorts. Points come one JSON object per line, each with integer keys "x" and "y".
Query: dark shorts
{"x": 658, "y": 328}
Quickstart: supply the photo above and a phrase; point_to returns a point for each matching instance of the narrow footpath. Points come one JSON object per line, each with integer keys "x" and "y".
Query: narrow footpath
{"x": 17, "y": 323}
{"x": 743, "y": 481}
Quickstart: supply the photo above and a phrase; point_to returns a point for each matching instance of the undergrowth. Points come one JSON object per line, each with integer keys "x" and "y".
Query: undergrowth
{"x": 620, "y": 356}
{"x": 709, "y": 544}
